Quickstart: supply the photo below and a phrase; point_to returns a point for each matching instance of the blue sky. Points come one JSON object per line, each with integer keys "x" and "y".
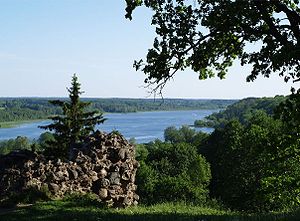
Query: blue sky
{"x": 43, "y": 42}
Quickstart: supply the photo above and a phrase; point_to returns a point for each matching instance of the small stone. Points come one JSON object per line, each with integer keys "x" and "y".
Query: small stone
{"x": 122, "y": 153}
{"x": 136, "y": 197}
{"x": 126, "y": 175}
{"x": 104, "y": 182}
{"x": 60, "y": 175}
{"x": 73, "y": 174}
{"x": 103, "y": 173}
{"x": 54, "y": 188}
{"x": 114, "y": 178}
{"x": 103, "y": 193}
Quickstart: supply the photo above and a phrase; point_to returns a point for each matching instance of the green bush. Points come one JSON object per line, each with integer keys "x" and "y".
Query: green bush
{"x": 173, "y": 172}
{"x": 19, "y": 143}
{"x": 184, "y": 134}
{"x": 28, "y": 196}
{"x": 255, "y": 166}
{"x": 141, "y": 152}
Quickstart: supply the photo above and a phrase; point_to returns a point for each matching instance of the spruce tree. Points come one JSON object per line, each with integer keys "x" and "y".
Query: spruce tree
{"x": 73, "y": 125}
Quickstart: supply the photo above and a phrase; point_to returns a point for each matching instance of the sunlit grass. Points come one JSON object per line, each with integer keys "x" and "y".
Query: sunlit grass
{"x": 71, "y": 210}
{"x": 11, "y": 124}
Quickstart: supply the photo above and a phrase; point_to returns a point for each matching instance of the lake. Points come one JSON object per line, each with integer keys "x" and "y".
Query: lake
{"x": 143, "y": 126}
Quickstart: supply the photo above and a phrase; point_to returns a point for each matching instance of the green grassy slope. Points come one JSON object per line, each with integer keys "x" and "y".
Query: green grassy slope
{"x": 68, "y": 210}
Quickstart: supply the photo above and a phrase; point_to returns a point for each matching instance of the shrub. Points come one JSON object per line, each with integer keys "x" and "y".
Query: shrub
{"x": 184, "y": 134}
{"x": 173, "y": 172}
{"x": 30, "y": 195}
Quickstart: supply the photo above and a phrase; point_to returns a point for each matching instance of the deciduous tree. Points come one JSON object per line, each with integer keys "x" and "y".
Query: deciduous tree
{"x": 254, "y": 166}
{"x": 208, "y": 35}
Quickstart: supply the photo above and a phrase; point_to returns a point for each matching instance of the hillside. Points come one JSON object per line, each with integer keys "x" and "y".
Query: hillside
{"x": 241, "y": 111}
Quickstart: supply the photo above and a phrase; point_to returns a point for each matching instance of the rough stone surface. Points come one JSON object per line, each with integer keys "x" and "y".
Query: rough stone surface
{"x": 104, "y": 165}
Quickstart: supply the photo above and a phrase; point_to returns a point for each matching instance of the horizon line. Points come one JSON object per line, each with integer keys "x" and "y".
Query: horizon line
{"x": 135, "y": 98}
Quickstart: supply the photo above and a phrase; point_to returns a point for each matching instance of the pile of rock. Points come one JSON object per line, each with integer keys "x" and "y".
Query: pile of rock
{"x": 104, "y": 165}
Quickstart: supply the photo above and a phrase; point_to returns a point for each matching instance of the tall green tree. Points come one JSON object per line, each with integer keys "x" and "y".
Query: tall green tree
{"x": 208, "y": 35}
{"x": 74, "y": 124}
{"x": 254, "y": 166}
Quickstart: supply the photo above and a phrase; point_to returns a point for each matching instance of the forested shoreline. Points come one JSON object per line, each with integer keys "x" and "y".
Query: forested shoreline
{"x": 242, "y": 111}
{"x": 21, "y": 109}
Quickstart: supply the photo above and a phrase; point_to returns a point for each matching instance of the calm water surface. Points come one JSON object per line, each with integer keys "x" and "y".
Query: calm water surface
{"x": 143, "y": 126}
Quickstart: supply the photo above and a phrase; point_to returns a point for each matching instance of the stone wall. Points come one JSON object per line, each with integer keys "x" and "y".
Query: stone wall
{"x": 104, "y": 165}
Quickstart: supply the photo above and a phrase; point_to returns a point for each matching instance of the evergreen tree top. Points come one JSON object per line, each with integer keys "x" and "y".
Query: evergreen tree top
{"x": 75, "y": 124}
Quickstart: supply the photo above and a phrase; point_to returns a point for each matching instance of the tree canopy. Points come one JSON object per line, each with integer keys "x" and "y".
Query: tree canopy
{"x": 207, "y": 36}
{"x": 254, "y": 166}
{"x": 172, "y": 172}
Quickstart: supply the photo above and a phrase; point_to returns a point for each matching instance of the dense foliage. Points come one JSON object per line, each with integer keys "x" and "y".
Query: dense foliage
{"x": 254, "y": 166}
{"x": 241, "y": 111}
{"x": 16, "y": 109}
{"x": 21, "y": 143}
{"x": 207, "y": 36}
{"x": 172, "y": 172}
{"x": 184, "y": 134}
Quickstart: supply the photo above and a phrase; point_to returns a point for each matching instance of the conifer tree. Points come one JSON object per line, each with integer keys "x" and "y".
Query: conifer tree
{"x": 74, "y": 124}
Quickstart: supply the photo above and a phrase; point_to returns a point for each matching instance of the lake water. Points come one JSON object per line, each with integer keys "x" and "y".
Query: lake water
{"x": 143, "y": 126}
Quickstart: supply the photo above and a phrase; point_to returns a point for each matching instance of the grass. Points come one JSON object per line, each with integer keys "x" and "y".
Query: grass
{"x": 72, "y": 210}
{"x": 11, "y": 124}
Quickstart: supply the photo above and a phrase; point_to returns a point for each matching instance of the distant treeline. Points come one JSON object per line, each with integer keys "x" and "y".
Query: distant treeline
{"x": 242, "y": 111}
{"x": 17, "y": 109}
